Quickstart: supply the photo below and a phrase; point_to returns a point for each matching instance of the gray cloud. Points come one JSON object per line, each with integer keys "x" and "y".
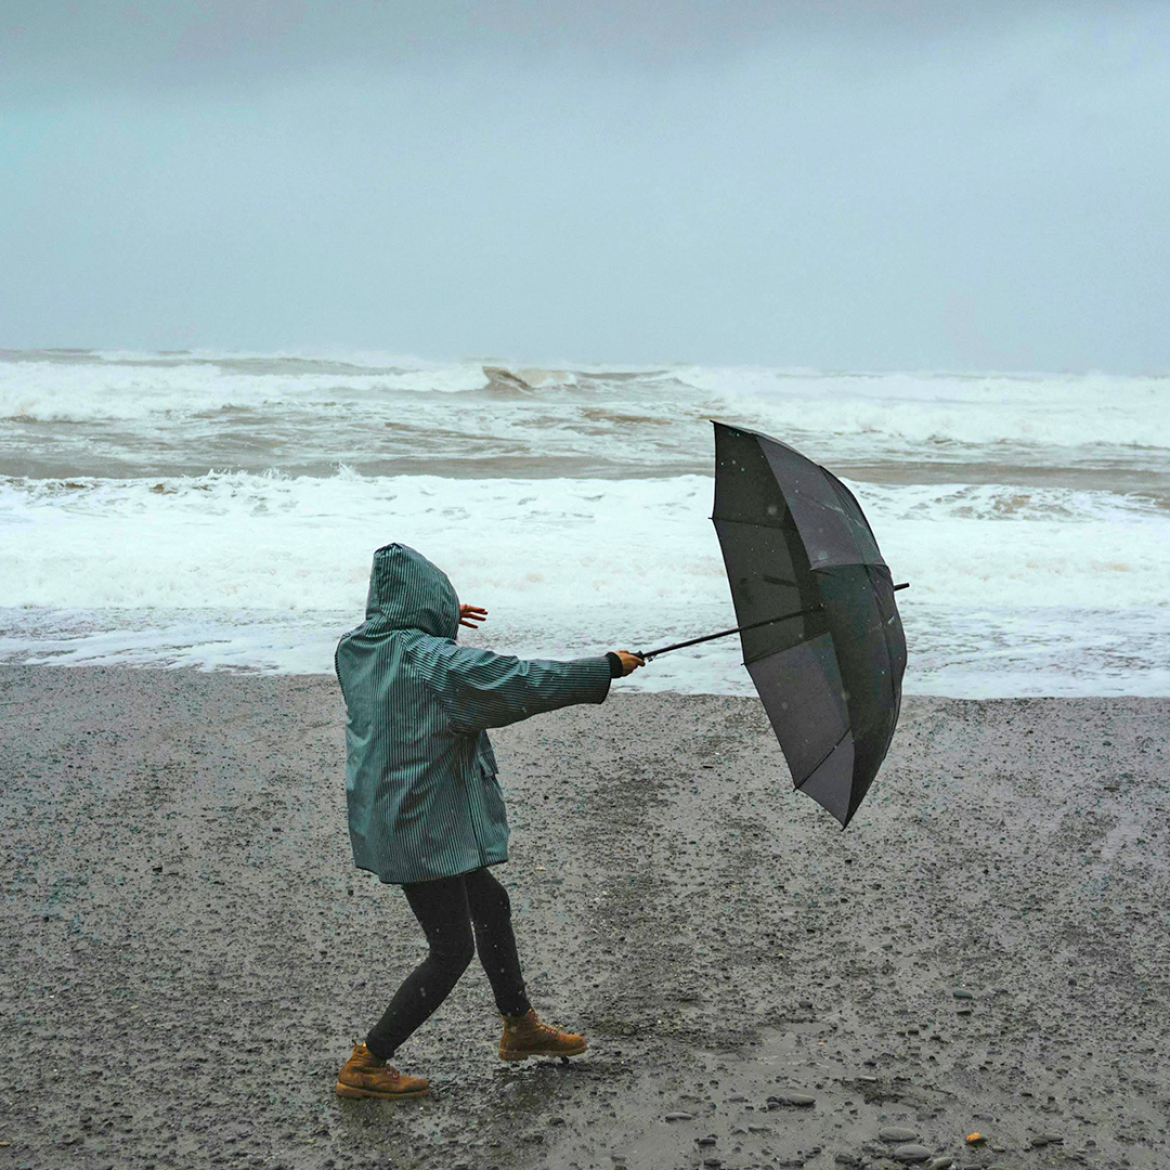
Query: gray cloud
{"x": 837, "y": 185}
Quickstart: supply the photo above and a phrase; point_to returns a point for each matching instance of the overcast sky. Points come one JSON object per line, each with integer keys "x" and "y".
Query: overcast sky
{"x": 862, "y": 185}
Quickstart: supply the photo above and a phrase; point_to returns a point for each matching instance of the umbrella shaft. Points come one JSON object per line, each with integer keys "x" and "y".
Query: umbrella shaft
{"x": 723, "y": 633}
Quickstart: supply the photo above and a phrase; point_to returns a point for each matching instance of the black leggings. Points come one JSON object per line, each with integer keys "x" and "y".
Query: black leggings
{"x": 447, "y": 908}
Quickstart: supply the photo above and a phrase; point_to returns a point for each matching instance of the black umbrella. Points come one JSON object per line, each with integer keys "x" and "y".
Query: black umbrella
{"x": 821, "y": 635}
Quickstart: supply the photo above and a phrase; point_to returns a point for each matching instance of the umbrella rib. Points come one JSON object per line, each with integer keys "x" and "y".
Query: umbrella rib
{"x": 749, "y": 523}
{"x": 823, "y": 758}
{"x": 889, "y": 656}
{"x": 789, "y": 527}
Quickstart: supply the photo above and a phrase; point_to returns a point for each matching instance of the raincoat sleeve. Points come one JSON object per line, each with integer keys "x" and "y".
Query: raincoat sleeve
{"x": 479, "y": 689}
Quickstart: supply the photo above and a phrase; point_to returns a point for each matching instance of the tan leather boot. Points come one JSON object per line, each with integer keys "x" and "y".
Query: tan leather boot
{"x": 526, "y": 1036}
{"x": 365, "y": 1075}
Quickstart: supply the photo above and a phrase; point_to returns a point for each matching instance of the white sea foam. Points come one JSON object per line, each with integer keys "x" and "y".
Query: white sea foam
{"x": 276, "y": 542}
{"x": 932, "y": 409}
{"x": 1046, "y": 591}
{"x": 885, "y": 410}
{"x": 573, "y": 503}
{"x": 966, "y": 652}
{"x": 130, "y": 392}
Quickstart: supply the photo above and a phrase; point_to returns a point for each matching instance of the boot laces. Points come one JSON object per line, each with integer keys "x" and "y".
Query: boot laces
{"x": 541, "y": 1028}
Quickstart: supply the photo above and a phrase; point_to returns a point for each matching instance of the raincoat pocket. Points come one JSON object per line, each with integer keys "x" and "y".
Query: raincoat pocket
{"x": 493, "y": 798}
{"x": 485, "y": 754}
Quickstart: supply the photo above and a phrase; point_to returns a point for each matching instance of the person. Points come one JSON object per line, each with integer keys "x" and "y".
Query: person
{"x": 426, "y": 811}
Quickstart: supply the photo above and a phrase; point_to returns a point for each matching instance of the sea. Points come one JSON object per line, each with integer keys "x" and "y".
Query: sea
{"x": 220, "y": 510}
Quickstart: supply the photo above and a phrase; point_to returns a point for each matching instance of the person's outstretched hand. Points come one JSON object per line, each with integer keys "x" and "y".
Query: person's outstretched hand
{"x": 470, "y": 615}
{"x": 630, "y": 662}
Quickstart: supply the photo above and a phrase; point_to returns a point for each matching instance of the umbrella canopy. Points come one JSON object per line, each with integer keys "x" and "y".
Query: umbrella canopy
{"x": 797, "y": 548}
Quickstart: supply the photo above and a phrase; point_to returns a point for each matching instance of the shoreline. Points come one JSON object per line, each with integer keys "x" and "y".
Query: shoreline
{"x": 669, "y": 677}
{"x": 717, "y": 937}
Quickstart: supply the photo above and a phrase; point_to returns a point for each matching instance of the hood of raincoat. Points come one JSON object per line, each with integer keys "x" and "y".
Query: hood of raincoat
{"x": 408, "y": 592}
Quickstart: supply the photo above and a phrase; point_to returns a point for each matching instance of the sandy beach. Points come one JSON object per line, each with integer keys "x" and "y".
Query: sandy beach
{"x": 189, "y": 952}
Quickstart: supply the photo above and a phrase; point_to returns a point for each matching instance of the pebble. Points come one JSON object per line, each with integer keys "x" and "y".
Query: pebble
{"x": 895, "y": 1133}
{"x": 802, "y": 1099}
{"x": 911, "y": 1153}
{"x": 1046, "y": 1139}
{"x": 944, "y": 1162}
{"x": 712, "y": 1162}
{"x": 680, "y": 1117}
{"x": 963, "y": 993}
{"x": 709, "y": 1140}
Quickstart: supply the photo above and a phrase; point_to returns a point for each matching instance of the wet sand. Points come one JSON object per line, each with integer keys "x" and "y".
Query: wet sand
{"x": 189, "y": 952}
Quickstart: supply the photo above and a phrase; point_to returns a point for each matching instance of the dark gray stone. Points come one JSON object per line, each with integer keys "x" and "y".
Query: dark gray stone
{"x": 897, "y": 1134}
{"x": 800, "y": 1099}
{"x": 1046, "y": 1139}
{"x": 910, "y": 1153}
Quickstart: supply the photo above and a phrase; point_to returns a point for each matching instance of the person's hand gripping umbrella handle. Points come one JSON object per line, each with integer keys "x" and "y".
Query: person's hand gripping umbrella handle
{"x": 630, "y": 662}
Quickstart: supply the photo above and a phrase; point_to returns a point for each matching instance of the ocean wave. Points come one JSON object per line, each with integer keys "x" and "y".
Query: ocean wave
{"x": 296, "y": 542}
{"x": 126, "y": 392}
{"x": 934, "y": 410}
{"x": 931, "y": 414}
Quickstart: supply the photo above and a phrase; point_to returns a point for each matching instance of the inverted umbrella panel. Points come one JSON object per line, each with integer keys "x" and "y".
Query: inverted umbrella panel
{"x": 769, "y": 575}
{"x": 832, "y": 526}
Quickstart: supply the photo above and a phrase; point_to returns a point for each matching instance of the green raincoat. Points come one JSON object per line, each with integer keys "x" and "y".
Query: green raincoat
{"x": 420, "y": 781}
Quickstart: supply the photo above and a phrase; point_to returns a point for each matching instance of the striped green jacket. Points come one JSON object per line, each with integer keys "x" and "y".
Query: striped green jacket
{"x": 420, "y": 780}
